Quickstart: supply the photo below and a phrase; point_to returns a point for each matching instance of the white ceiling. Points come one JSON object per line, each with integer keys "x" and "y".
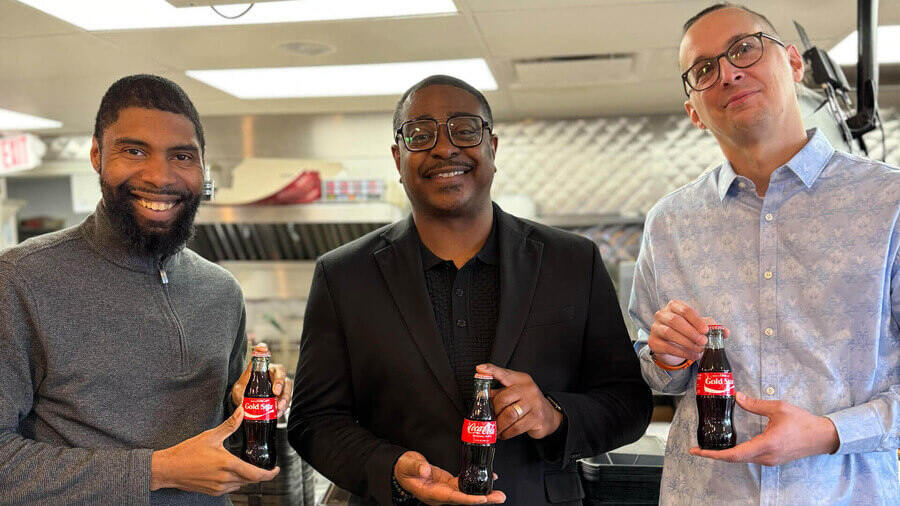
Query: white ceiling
{"x": 56, "y": 70}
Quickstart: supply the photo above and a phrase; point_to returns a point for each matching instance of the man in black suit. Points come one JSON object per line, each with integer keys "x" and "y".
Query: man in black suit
{"x": 398, "y": 320}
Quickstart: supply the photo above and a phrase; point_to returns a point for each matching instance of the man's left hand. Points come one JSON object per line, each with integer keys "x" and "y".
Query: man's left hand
{"x": 282, "y": 386}
{"x": 520, "y": 406}
{"x": 792, "y": 433}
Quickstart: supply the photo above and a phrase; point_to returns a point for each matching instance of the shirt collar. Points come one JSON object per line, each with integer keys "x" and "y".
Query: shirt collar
{"x": 807, "y": 164}
{"x": 107, "y": 240}
{"x": 726, "y": 178}
{"x": 810, "y": 161}
{"x": 429, "y": 259}
{"x": 488, "y": 254}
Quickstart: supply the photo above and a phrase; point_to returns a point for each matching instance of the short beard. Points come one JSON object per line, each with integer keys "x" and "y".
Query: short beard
{"x": 119, "y": 207}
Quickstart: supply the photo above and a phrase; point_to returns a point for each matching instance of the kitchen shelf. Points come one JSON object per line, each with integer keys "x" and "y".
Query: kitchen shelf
{"x": 319, "y": 213}
{"x": 54, "y": 168}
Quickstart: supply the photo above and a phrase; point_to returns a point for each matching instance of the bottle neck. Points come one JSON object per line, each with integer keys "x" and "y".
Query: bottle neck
{"x": 715, "y": 340}
{"x": 482, "y": 389}
{"x": 260, "y": 364}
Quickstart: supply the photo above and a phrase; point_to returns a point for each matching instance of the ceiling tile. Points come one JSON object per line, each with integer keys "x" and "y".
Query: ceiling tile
{"x": 55, "y": 70}
{"x": 19, "y": 20}
{"x": 67, "y": 56}
{"x": 369, "y": 41}
{"x": 649, "y": 97}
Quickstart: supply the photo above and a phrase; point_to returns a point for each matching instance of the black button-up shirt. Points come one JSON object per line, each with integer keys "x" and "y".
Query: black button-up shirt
{"x": 466, "y": 302}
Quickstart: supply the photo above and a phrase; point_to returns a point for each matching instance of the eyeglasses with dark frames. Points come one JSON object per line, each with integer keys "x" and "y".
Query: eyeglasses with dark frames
{"x": 465, "y": 131}
{"x": 742, "y": 53}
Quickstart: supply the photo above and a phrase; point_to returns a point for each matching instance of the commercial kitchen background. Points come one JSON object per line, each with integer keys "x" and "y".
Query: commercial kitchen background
{"x": 588, "y": 110}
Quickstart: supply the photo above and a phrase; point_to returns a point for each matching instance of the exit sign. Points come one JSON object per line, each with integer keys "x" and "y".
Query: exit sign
{"x": 20, "y": 152}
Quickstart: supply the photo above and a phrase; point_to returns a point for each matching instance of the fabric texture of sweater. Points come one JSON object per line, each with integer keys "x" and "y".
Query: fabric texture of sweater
{"x": 102, "y": 362}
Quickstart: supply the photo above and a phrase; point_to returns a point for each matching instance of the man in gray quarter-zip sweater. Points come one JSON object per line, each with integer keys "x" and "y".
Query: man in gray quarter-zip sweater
{"x": 119, "y": 348}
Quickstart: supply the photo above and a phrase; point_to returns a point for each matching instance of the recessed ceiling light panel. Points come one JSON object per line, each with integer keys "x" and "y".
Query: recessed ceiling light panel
{"x": 17, "y": 121}
{"x": 341, "y": 80}
{"x": 887, "y": 44}
{"x": 96, "y": 15}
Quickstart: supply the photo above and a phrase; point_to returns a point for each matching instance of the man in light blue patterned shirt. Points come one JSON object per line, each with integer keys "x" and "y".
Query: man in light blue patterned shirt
{"x": 794, "y": 247}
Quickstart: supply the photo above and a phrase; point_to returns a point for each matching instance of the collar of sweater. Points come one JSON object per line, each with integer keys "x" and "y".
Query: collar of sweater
{"x": 108, "y": 242}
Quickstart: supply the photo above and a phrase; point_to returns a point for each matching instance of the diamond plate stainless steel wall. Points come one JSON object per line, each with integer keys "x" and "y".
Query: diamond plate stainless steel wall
{"x": 617, "y": 165}
{"x": 68, "y": 147}
{"x": 600, "y": 165}
{"x": 891, "y": 120}
{"x": 617, "y": 243}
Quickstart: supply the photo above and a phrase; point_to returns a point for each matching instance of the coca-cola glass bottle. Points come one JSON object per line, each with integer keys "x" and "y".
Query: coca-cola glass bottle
{"x": 260, "y": 413}
{"x": 715, "y": 394}
{"x": 479, "y": 435}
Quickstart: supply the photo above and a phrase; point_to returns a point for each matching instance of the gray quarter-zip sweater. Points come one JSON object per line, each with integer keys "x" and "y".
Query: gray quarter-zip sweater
{"x": 106, "y": 356}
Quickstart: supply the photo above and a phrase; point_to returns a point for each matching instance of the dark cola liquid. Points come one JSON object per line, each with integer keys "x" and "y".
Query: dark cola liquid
{"x": 715, "y": 428}
{"x": 477, "y": 477}
{"x": 479, "y": 435}
{"x": 260, "y": 419}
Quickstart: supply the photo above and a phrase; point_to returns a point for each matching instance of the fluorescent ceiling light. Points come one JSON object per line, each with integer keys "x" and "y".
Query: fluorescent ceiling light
{"x": 11, "y": 120}
{"x": 94, "y": 15}
{"x": 341, "y": 80}
{"x": 888, "y": 40}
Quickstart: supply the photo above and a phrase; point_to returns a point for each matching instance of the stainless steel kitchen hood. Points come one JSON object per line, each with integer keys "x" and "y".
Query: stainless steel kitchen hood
{"x": 285, "y": 233}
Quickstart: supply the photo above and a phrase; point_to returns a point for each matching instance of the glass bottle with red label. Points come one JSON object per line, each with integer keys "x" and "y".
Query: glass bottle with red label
{"x": 715, "y": 394}
{"x": 260, "y": 413}
{"x": 479, "y": 435}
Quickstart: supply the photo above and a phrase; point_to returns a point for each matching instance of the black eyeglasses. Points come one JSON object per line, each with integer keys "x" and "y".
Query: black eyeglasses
{"x": 421, "y": 134}
{"x": 742, "y": 53}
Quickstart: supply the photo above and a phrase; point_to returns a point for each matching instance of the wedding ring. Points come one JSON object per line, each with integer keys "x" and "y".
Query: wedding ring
{"x": 519, "y": 410}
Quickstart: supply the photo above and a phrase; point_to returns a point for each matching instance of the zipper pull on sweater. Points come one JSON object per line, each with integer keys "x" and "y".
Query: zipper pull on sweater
{"x": 163, "y": 276}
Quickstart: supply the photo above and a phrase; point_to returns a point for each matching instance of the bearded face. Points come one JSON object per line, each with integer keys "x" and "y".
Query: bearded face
{"x": 151, "y": 174}
{"x": 151, "y": 237}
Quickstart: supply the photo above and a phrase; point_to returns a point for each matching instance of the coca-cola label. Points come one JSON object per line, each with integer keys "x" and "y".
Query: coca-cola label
{"x": 479, "y": 433}
{"x": 715, "y": 383}
{"x": 260, "y": 408}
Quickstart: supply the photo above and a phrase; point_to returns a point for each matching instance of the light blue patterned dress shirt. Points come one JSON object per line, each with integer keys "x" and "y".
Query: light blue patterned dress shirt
{"x": 808, "y": 281}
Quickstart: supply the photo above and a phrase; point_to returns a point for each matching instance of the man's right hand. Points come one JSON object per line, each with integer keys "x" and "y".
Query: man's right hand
{"x": 678, "y": 333}
{"x": 432, "y": 485}
{"x": 202, "y": 464}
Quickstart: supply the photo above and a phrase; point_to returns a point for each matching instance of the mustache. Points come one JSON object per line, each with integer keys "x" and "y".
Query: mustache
{"x": 164, "y": 190}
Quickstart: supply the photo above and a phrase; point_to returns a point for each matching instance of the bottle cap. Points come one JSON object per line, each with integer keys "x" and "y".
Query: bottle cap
{"x": 261, "y": 350}
{"x": 716, "y": 327}
{"x": 480, "y": 376}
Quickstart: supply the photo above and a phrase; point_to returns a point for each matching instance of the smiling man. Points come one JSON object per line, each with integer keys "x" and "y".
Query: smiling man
{"x": 398, "y": 321}
{"x": 794, "y": 247}
{"x": 154, "y": 211}
{"x": 120, "y": 350}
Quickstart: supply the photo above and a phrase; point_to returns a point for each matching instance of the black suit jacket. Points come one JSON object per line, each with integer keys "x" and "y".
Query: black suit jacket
{"x": 373, "y": 379}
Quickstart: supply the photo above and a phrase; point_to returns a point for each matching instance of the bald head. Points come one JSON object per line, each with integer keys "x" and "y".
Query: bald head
{"x": 719, "y": 18}
{"x": 769, "y": 27}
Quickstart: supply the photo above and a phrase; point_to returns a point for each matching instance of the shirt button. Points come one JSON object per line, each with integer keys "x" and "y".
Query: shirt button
{"x": 769, "y": 217}
{"x": 460, "y": 323}
{"x": 770, "y": 391}
{"x": 768, "y": 275}
{"x": 769, "y": 332}
{"x": 742, "y": 185}
{"x": 460, "y": 292}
